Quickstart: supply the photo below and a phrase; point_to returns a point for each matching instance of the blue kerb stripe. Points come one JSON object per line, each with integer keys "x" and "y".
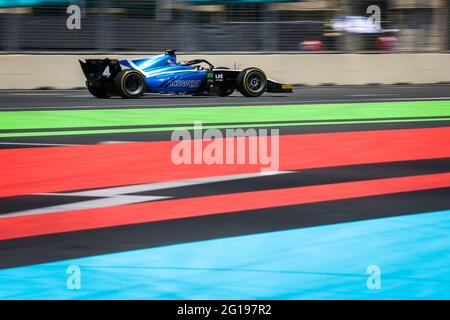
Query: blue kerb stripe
{"x": 326, "y": 262}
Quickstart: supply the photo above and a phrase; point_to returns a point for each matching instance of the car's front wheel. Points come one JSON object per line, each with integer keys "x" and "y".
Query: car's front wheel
{"x": 130, "y": 84}
{"x": 251, "y": 82}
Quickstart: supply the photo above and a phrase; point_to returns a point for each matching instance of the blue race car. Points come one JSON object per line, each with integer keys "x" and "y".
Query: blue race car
{"x": 163, "y": 74}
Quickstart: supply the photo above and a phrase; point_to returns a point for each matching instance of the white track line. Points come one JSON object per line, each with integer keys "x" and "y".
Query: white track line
{"x": 119, "y": 195}
{"x": 114, "y": 191}
{"x": 88, "y": 204}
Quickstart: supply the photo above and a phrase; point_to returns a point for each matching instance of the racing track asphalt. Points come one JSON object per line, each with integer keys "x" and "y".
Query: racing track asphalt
{"x": 80, "y": 243}
{"x": 81, "y": 99}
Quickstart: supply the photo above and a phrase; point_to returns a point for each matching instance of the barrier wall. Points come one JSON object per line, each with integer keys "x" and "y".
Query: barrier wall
{"x": 63, "y": 71}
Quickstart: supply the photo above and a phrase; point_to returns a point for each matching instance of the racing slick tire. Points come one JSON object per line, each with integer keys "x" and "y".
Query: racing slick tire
{"x": 130, "y": 84}
{"x": 98, "y": 92}
{"x": 251, "y": 82}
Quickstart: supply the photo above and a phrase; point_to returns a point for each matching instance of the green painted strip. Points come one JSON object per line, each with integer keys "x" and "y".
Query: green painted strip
{"x": 209, "y": 115}
{"x": 161, "y": 129}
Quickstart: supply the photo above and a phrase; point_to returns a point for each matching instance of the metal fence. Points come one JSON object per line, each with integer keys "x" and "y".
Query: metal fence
{"x": 225, "y": 25}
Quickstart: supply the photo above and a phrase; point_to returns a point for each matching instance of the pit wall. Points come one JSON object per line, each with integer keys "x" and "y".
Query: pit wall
{"x": 63, "y": 71}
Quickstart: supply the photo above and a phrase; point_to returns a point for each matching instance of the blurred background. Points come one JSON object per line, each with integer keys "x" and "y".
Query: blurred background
{"x": 225, "y": 26}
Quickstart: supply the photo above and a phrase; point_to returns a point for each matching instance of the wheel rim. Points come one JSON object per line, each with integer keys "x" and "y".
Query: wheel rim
{"x": 256, "y": 82}
{"x": 134, "y": 84}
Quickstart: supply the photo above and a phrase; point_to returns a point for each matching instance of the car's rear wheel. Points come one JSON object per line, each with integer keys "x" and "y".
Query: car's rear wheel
{"x": 130, "y": 84}
{"x": 98, "y": 92}
{"x": 251, "y": 82}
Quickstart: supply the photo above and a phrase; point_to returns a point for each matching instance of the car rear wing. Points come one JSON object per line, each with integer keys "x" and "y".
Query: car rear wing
{"x": 98, "y": 69}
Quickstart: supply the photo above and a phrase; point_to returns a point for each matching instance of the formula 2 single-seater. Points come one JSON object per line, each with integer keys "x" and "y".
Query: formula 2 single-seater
{"x": 132, "y": 78}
